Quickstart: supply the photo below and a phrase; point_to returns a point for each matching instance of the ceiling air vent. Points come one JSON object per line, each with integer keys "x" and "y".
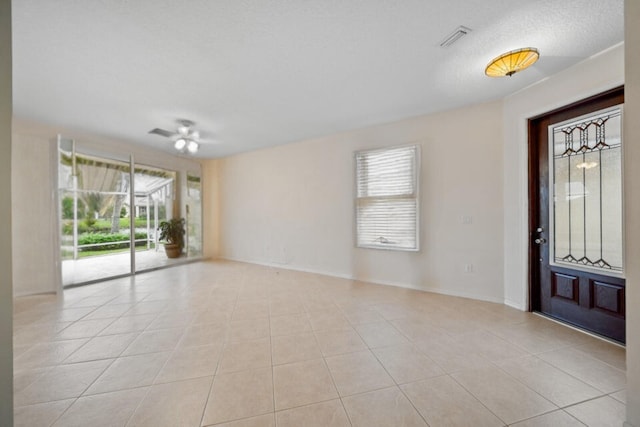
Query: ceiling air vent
{"x": 455, "y": 36}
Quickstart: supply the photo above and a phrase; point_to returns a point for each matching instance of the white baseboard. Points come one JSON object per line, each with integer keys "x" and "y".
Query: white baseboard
{"x": 285, "y": 267}
{"x": 33, "y": 293}
{"x": 370, "y": 280}
{"x": 514, "y": 304}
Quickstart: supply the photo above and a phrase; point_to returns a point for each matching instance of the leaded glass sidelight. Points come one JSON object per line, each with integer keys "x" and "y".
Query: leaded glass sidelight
{"x": 586, "y": 181}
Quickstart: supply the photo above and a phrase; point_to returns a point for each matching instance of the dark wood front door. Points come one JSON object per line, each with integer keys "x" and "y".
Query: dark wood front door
{"x": 576, "y": 228}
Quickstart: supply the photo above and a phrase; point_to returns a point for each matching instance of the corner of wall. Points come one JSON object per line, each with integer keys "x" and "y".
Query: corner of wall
{"x": 211, "y": 209}
{"x": 514, "y": 304}
{"x": 292, "y": 205}
{"x": 632, "y": 207}
{"x": 6, "y": 287}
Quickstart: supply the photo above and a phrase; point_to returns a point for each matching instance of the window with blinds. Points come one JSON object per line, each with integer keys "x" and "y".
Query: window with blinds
{"x": 387, "y": 198}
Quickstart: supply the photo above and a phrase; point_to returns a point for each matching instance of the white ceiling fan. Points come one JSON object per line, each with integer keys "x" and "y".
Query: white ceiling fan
{"x": 185, "y": 138}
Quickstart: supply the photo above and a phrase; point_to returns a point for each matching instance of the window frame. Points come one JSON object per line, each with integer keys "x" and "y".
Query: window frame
{"x": 416, "y": 196}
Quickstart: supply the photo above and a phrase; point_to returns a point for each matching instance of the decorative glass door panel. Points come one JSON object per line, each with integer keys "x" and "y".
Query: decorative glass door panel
{"x": 586, "y": 206}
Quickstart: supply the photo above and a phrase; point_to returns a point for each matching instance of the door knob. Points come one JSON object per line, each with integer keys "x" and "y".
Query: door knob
{"x": 540, "y": 241}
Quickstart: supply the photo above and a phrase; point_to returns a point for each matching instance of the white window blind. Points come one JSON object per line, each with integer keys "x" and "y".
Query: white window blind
{"x": 387, "y": 198}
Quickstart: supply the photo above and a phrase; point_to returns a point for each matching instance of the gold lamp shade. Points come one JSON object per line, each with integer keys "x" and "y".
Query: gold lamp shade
{"x": 511, "y": 62}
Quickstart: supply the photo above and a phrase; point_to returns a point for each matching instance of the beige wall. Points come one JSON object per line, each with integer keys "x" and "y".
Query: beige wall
{"x": 34, "y": 217}
{"x": 632, "y": 206}
{"x": 210, "y": 210}
{"x": 279, "y": 206}
{"x": 6, "y": 307}
{"x": 292, "y": 206}
{"x": 33, "y": 196}
{"x": 592, "y": 76}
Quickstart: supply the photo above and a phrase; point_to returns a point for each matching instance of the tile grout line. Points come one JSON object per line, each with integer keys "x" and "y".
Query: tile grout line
{"x": 215, "y": 374}
{"x": 476, "y": 398}
{"x": 546, "y": 413}
{"x": 87, "y": 388}
{"x": 273, "y": 376}
{"x": 537, "y": 356}
{"x": 398, "y": 386}
{"x": 333, "y": 381}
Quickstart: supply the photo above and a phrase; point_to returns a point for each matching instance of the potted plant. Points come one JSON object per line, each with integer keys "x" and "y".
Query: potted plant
{"x": 172, "y": 233}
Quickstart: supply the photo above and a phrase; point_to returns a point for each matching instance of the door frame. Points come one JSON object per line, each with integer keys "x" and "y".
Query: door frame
{"x": 584, "y": 106}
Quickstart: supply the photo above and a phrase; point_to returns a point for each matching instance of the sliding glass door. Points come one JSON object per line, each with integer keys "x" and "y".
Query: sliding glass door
{"x": 110, "y": 210}
{"x": 95, "y": 237}
{"x": 193, "y": 207}
{"x": 155, "y": 196}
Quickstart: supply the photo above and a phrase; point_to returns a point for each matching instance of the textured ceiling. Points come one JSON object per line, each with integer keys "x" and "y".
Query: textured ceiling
{"x": 256, "y": 73}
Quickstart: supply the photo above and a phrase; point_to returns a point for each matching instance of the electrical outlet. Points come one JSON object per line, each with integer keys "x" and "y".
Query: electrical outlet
{"x": 467, "y": 219}
{"x": 468, "y": 268}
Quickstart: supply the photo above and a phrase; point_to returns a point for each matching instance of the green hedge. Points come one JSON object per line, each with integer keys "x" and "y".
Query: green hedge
{"x": 99, "y": 225}
{"x": 95, "y": 238}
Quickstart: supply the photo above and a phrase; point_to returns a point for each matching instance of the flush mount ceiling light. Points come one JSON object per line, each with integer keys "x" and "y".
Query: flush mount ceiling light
{"x": 511, "y": 62}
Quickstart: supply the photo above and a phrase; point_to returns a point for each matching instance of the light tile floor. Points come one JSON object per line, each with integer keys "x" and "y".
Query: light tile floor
{"x": 239, "y": 345}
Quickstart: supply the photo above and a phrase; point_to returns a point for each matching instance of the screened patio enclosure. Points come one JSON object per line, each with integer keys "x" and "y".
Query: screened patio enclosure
{"x": 110, "y": 211}
{"x": 153, "y": 194}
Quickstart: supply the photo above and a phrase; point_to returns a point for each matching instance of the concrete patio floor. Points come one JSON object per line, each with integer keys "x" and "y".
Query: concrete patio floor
{"x": 104, "y": 266}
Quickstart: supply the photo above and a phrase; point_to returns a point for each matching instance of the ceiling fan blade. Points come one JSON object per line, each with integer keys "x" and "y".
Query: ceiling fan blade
{"x": 162, "y": 132}
{"x": 206, "y": 137}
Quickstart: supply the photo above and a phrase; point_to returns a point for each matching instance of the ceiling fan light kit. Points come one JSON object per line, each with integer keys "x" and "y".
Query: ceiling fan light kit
{"x": 188, "y": 139}
{"x": 192, "y": 147}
